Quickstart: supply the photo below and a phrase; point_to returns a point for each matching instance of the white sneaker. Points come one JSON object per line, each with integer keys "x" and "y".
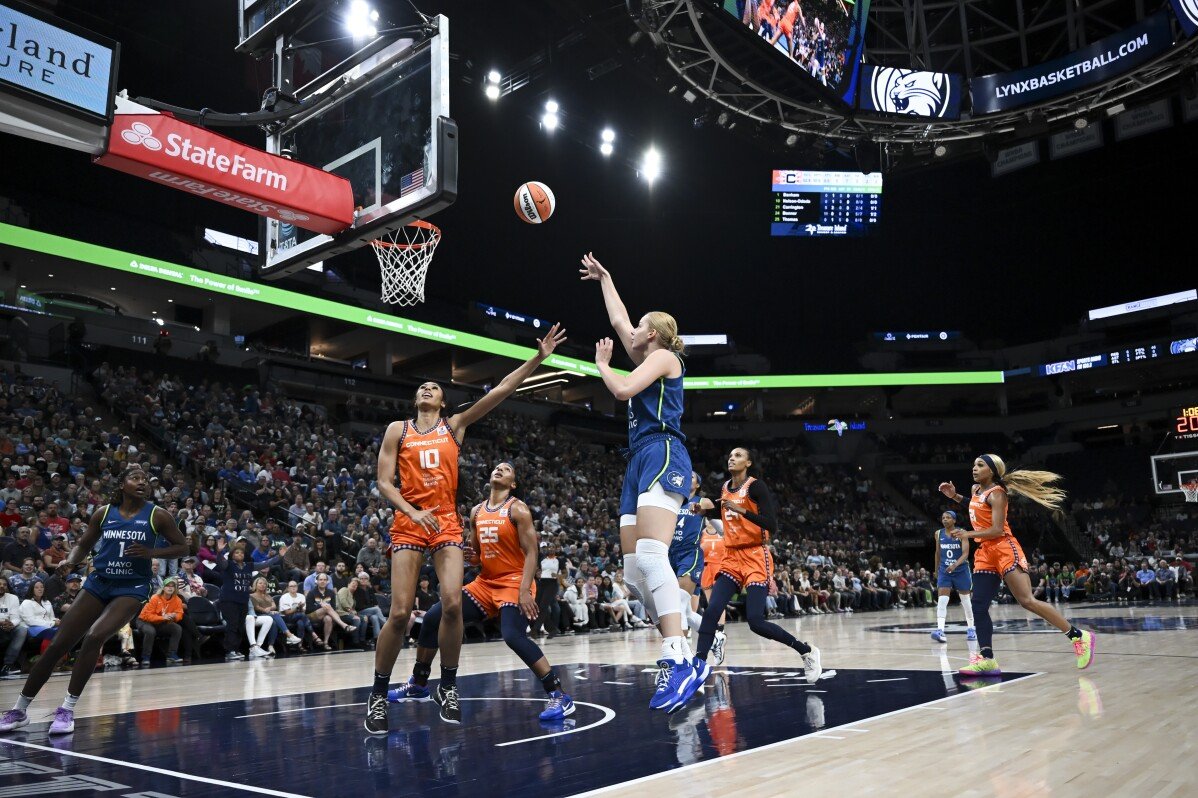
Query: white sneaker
{"x": 717, "y": 648}
{"x": 811, "y": 665}
{"x": 292, "y": 640}
{"x": 256, "y": 652}
{"x": 270, "y": 651}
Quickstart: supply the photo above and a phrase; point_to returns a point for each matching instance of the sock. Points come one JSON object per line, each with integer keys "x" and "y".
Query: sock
{"x": 633, "y": 574}
{"x": 70, "y": 701}
{"x": 1074, "y": 633}
{"x": 22, "y": 703}
{"x": 941, "y": 611}
{"x": 449, "y": 677}
{"x": 671, "y": 649}
{"x": 420, "y": 673}
{"x": 381, "y": 682}
{"x": 685, "y": 606}
{"x": 653, "y": 558}
{"x": 967, "y": 606}
{"x": 719, "y": 627}
{"x": 987, "y": 653}
{"x": 550, "y": 682}
{"x": 686, "y": 647}
{"x": 801, "y": 647}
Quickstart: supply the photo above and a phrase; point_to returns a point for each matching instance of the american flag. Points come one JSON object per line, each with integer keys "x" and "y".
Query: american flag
{"x": 411, "y": 181}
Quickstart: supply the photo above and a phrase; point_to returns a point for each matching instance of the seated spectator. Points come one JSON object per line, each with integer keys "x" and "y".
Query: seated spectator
{"x": 367, "y": 605}
{"x": 13, "y": 630}
{"x": 62, "y": 602}
{"x": 18, "y": 550}
{"x": 576, "y": 597}
{"x": 38, "y": 614}
{"x": 347, "y": 610}
{"x": 267, "y": 620}
{"x": 369, "y": 557}
{"x": 1167, "y": 586}
{"x": 295, "y": 561}
{"x": 1149, "y": 588}
{"x": 293, "y": 605}
{"x": 322, "y": 611}
{"x": 53, "y": 556}
{"x": 162, "y": 614}
{"x": 25, "y": 577}
{"x": 318, "y": 569}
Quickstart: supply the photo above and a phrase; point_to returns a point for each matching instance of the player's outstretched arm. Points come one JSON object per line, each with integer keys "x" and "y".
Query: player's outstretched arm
{"x": 617, "y": 314}
{"x": 508, "y": 385}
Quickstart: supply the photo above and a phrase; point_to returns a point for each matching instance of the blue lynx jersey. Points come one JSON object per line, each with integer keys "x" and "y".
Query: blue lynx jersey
{"x": 950, "y": 550}
{"x": 116, "y": 535}
{"x": 688, "y": 529}
{"x": 656, "y": 410}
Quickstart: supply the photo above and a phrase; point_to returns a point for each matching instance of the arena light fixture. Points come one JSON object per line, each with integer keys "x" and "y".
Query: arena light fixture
{"x": 1081, "y": 123}
{"x": 359, "y": 23}
{"x": 606, "y": 148}
{"x": 550, "y": 120}
{"x": 493, "y": 76}
{"x": 492, "y": 91}
{"x": 651, "y": 165}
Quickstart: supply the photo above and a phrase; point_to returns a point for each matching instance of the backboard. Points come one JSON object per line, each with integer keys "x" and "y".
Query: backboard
{"x": 387, "y": 130}
{"x": 1170, "y": 471}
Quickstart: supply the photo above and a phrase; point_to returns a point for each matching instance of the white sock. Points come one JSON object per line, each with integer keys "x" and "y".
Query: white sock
{"x": 70, "y": 701}
{"x": 695, "y": 619}
{"x": 941, "y": 611}
{"x": 687, "y": 652}
{"x": 967, "y": 605}
{"x": 22, "y": 703}
{"x": 673, "y": 649}
{"x": 632, "y": 573}
{"x": 653, "y": 558}
{"x": 685, "y": 608}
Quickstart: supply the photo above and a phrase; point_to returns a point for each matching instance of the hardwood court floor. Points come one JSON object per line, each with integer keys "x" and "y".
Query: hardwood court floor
{"x": 888, "y": 723}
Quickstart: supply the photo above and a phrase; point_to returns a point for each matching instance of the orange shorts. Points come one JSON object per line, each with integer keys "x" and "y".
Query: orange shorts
{"x": 751, "y": 565}
{"x": 710, "y": 571}
{"x": 489, "y": 596}
{"x": 999, "y": 556}
{"x": 408, "y": 535}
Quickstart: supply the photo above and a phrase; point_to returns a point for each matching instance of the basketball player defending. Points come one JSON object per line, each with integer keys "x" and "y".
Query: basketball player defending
{"x": 503, "y": 538}
{"x": 686, "y": 558}
{"x": 712, "y": 543}
{"x": 749, "y": 513}
{"x": 655, "y": 483}
{"x": 424, "y": 452}
{"x": 124, "y": 533}
{"x": 952, "y": 571}
{"x": 1000, "y": 559}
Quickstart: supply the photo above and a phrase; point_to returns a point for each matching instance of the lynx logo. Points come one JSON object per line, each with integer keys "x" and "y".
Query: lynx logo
{"x": 908, "y": 91}
{"x": 675, "y": 479}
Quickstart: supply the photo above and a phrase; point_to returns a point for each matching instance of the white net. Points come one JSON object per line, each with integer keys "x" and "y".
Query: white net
{"x": 1190, "y": 489}
{"x": 404, "y": 256}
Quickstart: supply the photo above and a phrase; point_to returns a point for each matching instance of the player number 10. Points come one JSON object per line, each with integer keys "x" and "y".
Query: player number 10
{"x": 430, "y": 458}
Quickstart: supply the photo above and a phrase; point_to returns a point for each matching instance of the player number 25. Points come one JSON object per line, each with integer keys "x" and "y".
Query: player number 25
{"x": 430, "y": 458}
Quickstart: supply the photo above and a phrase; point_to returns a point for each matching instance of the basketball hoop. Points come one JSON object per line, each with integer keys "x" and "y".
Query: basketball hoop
{"x": 404, "y": 255}
{"x": 1190, "y": 489}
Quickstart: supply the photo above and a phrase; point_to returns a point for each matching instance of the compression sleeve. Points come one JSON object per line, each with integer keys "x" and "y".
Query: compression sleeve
{"x": 766, "y": 516}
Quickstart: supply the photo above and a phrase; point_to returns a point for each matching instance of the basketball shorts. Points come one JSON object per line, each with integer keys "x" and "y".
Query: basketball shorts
{"x": 663, "y": 459}
{"x": 490, "y": 596}
{"x": 960, "y": 580}
{"x": 710, "y": 571}
{"x": 748, "y": 567}
{"x": 106, "y": 589}
{"x": 405, "y": 534}
{"x": 1000, "y": 556}
{"x": 687, "y": 561}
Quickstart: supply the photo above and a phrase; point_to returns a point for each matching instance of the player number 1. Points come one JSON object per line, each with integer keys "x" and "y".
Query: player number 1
{"x": 430, "y": 458}
{"x": 122, "y": 554}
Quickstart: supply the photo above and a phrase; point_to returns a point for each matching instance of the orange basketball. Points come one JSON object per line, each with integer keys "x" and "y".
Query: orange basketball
{"x": 534, "y": 202}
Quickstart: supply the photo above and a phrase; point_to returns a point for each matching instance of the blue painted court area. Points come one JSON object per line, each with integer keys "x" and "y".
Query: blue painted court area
{"x": 314, "y": 744}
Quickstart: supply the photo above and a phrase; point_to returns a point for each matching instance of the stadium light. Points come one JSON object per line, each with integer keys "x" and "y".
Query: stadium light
{"x": 550, "y": 120}
{"x": 651, "y": 165}
{"x": 360, "y": 21}
{"x": 608, "y": 135}
{"x": 493, "y": 76}
{"x": 606, "y": 148}
{"x": 492, "y": 91}
{"x": 606, "y": 139}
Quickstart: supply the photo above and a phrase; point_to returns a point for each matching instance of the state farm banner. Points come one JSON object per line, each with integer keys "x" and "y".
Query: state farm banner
{"x": 174, "y": 153}
{"x": 1099, "y": 62}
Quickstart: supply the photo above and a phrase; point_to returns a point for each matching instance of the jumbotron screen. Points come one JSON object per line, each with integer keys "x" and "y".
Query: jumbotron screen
{"x": 824, "y": 203}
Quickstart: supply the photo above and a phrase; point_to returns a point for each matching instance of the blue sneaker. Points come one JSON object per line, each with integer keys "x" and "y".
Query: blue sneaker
{"x": 409, "y": 692}
{"x": 558, "y": 707}
{"x": 971, "y": 634}
{"x": 673, "y": 679}
{"x": 702, "y": 671}
{"x": 939, "y": 637}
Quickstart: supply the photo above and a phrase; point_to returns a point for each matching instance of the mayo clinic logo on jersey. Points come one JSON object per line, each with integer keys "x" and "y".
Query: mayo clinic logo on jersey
{"x": 675, "y": 479}
{"x": 913, "y": 93}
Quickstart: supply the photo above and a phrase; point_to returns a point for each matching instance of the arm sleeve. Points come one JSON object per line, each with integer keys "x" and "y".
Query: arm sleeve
{"x": 766, "y": 516}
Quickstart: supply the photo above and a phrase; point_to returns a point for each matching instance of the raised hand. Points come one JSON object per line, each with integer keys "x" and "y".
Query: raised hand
{"x": 603, "y": 349}
{"x": 592, "y": 269}
{"x": 552, "y": 339}
{"x": 948, "y": 489}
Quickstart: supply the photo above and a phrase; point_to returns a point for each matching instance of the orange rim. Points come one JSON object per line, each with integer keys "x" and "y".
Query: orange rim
{"x": 380, "y": 242}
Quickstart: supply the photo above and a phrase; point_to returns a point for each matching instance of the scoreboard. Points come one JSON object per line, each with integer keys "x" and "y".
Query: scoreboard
{"x": 1185, "y": 424}
{"x": 824, "y": 203}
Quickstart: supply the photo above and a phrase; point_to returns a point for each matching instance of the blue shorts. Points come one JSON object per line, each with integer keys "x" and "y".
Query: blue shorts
{"x": 663, "y": 459}
{"x": 106, "y": 589}
{"x": 960, "y": 579}
{"x": 688, "y": 561}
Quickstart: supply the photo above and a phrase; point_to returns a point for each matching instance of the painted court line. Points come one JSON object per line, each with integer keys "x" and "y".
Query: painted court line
{"x": 873, "y": 681}
{"x": 300, "y": 709}
{"x": 623, "y": 684}
{"x": 825, "y": 737}
{"x": 149, "y": 769}
{"x": 624, "y": 785}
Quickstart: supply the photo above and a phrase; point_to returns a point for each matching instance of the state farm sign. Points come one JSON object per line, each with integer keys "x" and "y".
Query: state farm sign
{"x": 161, "y": 148}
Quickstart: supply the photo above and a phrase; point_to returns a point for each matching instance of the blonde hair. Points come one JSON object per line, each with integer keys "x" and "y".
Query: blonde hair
{"x": 1035, "y": 485}
{"x": 666, "y": 328}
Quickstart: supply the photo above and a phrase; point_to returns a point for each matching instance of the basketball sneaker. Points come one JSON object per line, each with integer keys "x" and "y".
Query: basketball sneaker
{"x": 981, "y": 669}
{"x": 557, "y": 707}
{"x": 939, "y": 637}
{"x": 1083, "y": 647}
{"x": 811, "y": 665}
{"x": 64, "y": 721}
{"x": 672, "y": 681}
{"x": 13, "y": 719}
{"x": 409, "y": 692}
{"x": 376, "y": 714}
{"x": 717, "y": 648}
{"x": 971, "y": 634}
{"x": 451, "y": 709}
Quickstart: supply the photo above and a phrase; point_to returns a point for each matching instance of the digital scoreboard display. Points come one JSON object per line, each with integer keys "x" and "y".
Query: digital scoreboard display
{"x": 1185, "y": 424}
{"x": 823, "y": 203}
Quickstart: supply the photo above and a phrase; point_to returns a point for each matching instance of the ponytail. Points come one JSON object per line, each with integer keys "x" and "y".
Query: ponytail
{"x": 1035, "y": 485}
{"x": 667, "y": 331}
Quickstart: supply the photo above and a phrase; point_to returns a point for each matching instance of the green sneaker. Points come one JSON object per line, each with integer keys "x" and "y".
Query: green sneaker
{"x": 981, "y": 669}
{"x": 1084, "y": 648}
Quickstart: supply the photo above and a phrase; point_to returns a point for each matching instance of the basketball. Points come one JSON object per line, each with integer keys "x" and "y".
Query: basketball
{"x": 534, "y": 202}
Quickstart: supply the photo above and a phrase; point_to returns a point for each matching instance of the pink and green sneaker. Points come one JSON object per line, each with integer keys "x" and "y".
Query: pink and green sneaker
{"x": 1083, "y": 647}
{"x": 981, "y": 669}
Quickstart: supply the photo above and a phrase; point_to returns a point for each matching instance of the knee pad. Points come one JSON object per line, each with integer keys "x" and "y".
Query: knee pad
{"x": 653, "y": 560}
